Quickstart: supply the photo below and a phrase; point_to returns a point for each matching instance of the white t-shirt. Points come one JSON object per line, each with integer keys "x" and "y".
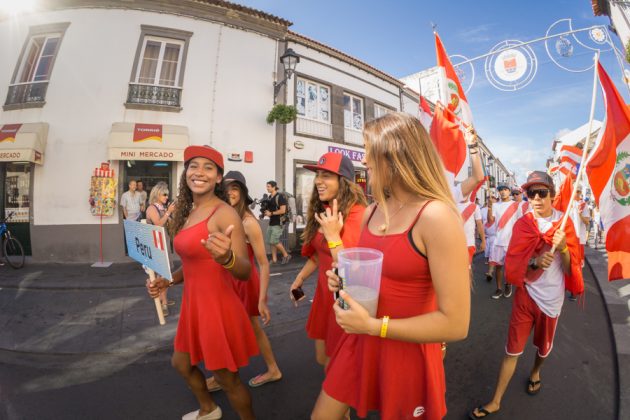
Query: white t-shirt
{"x": 470, "y": 224}
{"x": 456, "y": 192}
{"x": 580, "y": 227}
{"x": 504, "y": 234}
{"x": 131, "y": 203}
{"x": 491, "y": 230}
{"x": 548, "y": 290}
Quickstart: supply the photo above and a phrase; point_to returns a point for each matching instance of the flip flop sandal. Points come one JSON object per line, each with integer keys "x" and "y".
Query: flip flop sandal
{"x": 483, "y": 411}
{"x": 532, "y": 384}
{"x": 254, "y": 384}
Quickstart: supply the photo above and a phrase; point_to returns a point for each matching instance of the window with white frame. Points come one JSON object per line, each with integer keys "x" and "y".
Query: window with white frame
{"x": 380, "y": 110}
{"x": 38, "y": 58}
{"x": 352, "y": 112}
{"x": 312, "y": 100}
{"x": 161, "y": 60}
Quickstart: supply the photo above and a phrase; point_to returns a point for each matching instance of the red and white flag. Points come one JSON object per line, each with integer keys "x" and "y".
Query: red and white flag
{"x": 608, "y": 171}
{"x": 449, "y": 142}
{"x": 158, "y": 240}
{"x": 425, "y": 115}
{"x": 456, "y": 102}
{"x": 571, "y": 155}
{"x": 563, "y": 196}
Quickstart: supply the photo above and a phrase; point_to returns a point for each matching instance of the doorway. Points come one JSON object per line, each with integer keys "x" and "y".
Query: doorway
{"x": 15, "y": 191}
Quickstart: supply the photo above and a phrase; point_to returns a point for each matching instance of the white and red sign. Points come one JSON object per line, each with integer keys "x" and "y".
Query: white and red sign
{"x": 144, "y": 132}
{"x": 9, "y": 131}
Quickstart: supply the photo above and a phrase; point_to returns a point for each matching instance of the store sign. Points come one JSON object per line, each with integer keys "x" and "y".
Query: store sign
{"x": 144, "y": 132}
{"x": 353, "y": 155}
{"x": 9, "y": 131}
{"x": 146, "y": 154}
{"x": 147, "y": 245}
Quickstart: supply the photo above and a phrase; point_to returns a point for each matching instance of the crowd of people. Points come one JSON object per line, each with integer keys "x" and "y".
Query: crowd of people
{"x": 426, "y": 227}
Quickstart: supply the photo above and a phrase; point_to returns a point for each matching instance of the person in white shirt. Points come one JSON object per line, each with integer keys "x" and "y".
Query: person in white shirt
{"x": 490, "y": 230}
{"x": 471, "y": 215}
{"x": 540, "y": 278}
{"x": 503, "y": 215}
{"x": 130, "y": 202}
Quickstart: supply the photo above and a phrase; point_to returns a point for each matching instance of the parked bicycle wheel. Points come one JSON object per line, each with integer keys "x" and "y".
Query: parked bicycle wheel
{"x": 13, "y": 252}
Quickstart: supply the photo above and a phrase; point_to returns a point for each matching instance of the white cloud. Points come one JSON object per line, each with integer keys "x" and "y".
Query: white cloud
{"x": 561, "y": 132}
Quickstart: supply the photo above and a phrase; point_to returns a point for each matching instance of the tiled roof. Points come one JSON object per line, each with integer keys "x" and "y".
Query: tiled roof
{"x": 301, "y": 39}
{"x": 599, "y": 7}
{"x": 248, "y": 10}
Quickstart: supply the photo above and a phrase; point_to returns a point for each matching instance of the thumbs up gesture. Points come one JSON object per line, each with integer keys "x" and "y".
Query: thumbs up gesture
{"x": 219, "y": 245}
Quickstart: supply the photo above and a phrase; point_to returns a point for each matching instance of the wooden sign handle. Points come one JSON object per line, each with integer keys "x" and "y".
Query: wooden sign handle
{"x": 158, "y": 304}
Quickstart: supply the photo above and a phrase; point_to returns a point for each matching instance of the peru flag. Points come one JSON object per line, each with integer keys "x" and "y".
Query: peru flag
{"x": 571, "y": 155}
{"x": 608, "y": 171}
{"x": 563, "y": 196}
{"x": 449, "y": 142}
{"x": 456, "y": 102}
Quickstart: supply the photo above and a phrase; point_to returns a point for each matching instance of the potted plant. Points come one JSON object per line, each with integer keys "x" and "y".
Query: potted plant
{"x": 284, "y": 114}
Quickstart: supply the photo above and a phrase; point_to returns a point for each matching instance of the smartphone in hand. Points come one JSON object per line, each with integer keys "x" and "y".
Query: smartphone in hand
{"x": 298, "y": 294}
{"x": 342, "y": 304}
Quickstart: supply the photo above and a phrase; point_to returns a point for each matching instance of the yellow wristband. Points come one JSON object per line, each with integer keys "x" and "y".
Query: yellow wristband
{"x": 230, "y": 264}
{"x": 565, "y": 249}
{"x": 384, "y": 325}
{"x": 334, "y": 244}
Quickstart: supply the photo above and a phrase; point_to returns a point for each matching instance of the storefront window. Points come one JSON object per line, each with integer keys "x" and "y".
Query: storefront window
{"x": 17, "y": 186}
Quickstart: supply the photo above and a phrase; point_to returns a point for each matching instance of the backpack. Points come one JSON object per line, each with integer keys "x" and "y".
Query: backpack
{"x": 287, "y": 217}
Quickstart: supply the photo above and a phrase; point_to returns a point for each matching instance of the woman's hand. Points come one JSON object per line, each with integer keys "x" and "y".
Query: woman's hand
{"x": 171, "y": 208}
{"x": 545, "y": 260}
{"x": 331, "y": 222}
{"x": 355, "y": 319}
{"x": 297, "y": 283}
{"x": 470, "y": 136}
{"x": 158, "y": 286}
{"x": 263, "y": 310}
{"x": 333, "y": 279}
{"x": 219, "y": 245}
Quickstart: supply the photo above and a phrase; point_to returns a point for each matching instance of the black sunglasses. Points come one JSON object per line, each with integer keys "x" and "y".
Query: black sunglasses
{"x": 515, "y": 193}
{"x": 542, "y": 193}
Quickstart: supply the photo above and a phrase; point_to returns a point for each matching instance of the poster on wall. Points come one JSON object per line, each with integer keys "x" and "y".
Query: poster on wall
{"x": 103, "y": 191}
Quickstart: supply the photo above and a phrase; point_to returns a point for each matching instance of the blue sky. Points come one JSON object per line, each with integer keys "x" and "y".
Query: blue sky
{"x": 396, "y": 37}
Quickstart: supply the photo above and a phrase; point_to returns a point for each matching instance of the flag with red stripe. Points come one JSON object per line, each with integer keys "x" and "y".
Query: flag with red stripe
{"x": 158, "y": 240}
{"x": 608, "y": 171}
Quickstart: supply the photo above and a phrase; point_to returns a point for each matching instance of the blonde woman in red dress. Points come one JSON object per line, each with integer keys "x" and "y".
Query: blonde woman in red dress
{"x": 393, "y": 362}
{"x": 213, "y": 326}
{"x": 333, "y": 223}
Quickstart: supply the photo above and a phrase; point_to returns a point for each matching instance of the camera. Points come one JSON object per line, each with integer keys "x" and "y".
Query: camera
{"x": 264, "y": 203}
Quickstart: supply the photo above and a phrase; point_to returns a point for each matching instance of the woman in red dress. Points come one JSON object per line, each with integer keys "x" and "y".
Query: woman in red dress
{"x": 393, "y": 363}
{"x": 333, "y": 222}
{"x": 253, "y": 293}
{"x": 213, "y": 326}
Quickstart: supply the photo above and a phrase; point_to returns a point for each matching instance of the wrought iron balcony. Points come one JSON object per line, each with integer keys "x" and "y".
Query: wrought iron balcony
{"x": 154, "y": 95}
{"x": 27, "y": 93}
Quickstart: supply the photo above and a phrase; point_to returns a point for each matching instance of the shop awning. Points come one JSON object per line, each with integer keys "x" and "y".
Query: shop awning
{"x": 23, "y": 142}
{"x": 129, "y": 141}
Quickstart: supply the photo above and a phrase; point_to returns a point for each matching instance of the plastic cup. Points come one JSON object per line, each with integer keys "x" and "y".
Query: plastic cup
{"x": 360, "y": 273}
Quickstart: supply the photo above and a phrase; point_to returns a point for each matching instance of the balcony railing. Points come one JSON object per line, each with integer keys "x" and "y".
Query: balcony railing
{"x": 27, "y": 93}
{"x": 154, "y": 95}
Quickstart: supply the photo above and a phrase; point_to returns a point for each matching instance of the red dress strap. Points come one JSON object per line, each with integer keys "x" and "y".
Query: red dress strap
{"x": 418, "y": 215}
{"x": 371, "y": 214}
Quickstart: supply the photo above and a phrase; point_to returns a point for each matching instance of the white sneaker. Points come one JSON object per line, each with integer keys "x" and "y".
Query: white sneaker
{"x": 216, "y": 414}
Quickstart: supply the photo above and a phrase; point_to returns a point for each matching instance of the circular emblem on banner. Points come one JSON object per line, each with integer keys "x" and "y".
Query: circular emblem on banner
{"x": 598, "y": 35}
{"x": 510, "y": 65}
{"x": 620, "y": 188}
{"x": 564, "y": 47}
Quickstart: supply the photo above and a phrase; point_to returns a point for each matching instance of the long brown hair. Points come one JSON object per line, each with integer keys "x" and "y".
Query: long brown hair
{"x": 241, "y": 207}
{"x": 401, "y": 151}
{"x": 184, "y": 203}
{"x": 348, "y": 195}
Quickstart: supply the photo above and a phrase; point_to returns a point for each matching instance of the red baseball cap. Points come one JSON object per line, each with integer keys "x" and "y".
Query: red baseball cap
{"x": 336, "y": 163}
{"x": 538, "y": 177}
{"x": 205, "y": 152}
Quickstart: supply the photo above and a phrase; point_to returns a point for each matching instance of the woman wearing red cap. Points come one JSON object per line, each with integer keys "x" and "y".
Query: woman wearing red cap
{"x": 392, "y": 362}
{"x": 253, "y": 293}
{"x": 333, "y": 223}
{"x": 213, "y": 326}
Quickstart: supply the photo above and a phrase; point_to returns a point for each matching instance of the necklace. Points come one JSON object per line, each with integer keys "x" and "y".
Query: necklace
{"x": 384, "y": 226}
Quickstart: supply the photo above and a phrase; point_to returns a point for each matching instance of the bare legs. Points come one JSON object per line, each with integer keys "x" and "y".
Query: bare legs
{"x": 236, "y": 392}
{"x": 320, "y": 353}
{"x": 327, "y": 408}
{"x": 273, "y": 372}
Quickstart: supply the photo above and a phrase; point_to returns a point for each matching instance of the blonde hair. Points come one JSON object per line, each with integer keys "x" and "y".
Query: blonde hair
{"x": 159, "y": 189}
{"x": 400, "y": 149}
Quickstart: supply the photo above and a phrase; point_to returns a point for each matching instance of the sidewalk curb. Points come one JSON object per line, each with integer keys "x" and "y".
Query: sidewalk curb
{"x": 617, "y": 321}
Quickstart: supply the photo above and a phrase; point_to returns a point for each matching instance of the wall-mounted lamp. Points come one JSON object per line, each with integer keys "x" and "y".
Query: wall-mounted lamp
{"x": 289, "y": 60}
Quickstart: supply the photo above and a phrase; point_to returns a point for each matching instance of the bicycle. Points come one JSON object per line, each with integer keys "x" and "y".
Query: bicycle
{"x": 13, "y": 249}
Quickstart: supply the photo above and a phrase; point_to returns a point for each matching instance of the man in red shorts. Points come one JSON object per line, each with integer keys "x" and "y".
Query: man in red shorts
{"x": 541, "y": 278}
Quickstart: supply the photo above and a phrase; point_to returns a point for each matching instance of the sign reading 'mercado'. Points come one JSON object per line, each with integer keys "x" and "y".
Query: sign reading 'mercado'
{"x": 147, "y": 244}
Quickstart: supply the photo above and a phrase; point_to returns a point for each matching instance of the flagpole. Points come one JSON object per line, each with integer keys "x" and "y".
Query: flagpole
{"x": 586, "y": 144}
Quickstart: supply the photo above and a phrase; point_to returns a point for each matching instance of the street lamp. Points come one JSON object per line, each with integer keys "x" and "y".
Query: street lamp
{"x": 289, "y": 60}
